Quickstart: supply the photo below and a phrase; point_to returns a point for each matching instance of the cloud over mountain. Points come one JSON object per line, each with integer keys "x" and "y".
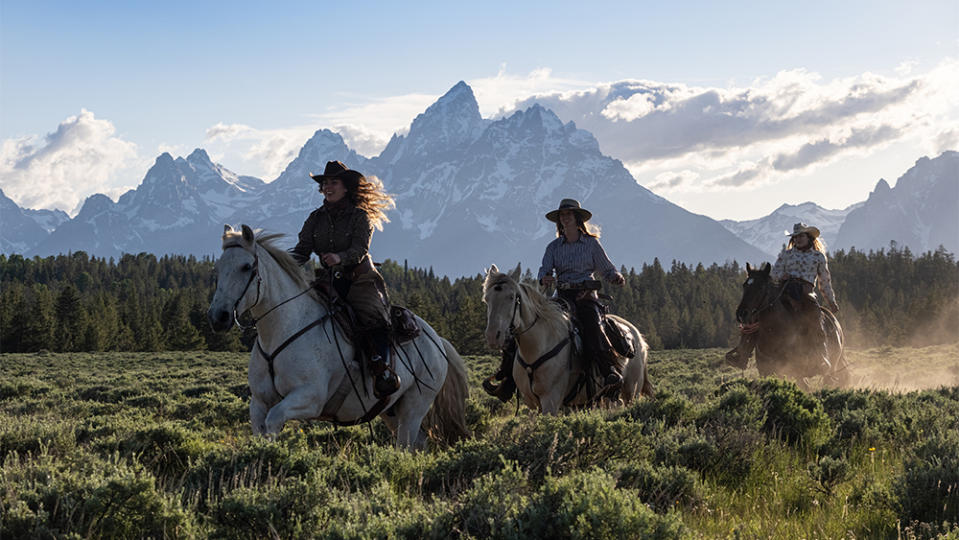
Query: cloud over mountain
{"x": 59, "y": 170}
{"x": 740, "y": 136}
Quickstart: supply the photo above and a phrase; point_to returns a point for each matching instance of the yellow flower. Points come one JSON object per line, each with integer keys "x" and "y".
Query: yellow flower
{"x": 872, "y": 449}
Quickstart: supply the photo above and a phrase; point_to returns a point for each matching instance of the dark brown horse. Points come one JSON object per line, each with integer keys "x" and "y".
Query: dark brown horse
{"x": 776, "y": 332}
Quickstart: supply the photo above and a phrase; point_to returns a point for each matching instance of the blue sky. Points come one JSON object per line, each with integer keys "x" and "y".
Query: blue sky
{"x": 92, "y": 92}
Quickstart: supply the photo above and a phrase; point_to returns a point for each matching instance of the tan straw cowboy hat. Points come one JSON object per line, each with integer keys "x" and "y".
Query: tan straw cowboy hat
{"x": 569, "y": 204}
{"x": 801, "y": 228}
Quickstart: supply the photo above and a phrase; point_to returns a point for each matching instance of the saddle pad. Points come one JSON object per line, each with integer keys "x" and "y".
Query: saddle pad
{"x": 404, "y": 324}
{"x": 620, "y": 337}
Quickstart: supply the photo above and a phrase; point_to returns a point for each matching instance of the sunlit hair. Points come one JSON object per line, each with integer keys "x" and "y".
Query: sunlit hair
{"x": 371, "y": 198}
{"x": 816, "y": 243}
{"x": 585, "y": 228}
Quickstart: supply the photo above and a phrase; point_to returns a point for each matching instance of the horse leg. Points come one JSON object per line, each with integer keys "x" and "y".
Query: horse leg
{"x": 410, "y": 411}
{"x": 301, "y": 403}
{"x": 258, "y": 410}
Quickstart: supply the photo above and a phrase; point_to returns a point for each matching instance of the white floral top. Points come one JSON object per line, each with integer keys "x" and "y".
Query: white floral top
{"x": 806, "y": 265}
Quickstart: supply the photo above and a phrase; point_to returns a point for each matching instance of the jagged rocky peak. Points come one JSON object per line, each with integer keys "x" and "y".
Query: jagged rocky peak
{"x": 454, "y": 119}
{"x": 200, "y": 157}
{"x": 882, "y": 188}
{"x": 95, "y": 204}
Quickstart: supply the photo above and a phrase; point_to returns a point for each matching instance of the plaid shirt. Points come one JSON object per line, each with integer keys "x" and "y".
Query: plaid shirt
{"x": 576, "y": 262}
{"x": 806, "y": 265}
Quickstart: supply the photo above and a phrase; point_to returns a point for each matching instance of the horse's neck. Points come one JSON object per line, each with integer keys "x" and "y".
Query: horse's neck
{"x": 537, "y": 337}
{"x": 276, "y": 322}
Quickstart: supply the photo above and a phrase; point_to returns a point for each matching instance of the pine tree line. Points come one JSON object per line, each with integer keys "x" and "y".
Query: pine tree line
{"x": 144, "y": 303}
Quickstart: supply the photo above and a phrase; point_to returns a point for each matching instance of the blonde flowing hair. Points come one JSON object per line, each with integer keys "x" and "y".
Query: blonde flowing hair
{"x": 816, "y": 243}
{"x": 370, "y": 196}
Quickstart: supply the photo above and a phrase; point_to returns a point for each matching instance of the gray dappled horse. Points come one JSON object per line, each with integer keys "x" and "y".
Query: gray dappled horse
{"x": 778, "y": 338}
{"x": 303, "y": 365}
{"x": 547, "y": 373}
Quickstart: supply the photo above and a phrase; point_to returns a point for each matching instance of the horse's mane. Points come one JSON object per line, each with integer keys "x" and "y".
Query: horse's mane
{"x": 267, "y": 241}
{"x": 548, "y": 310}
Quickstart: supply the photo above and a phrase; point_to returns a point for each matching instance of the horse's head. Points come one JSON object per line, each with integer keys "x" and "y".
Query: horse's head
{"x": 501, "y": 293}
{"x": 755, "y": 290}
{"x": 236, "y": 270}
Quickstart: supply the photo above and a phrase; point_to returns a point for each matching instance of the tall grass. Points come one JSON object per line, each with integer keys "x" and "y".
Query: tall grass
{"x": 158, "y": 445}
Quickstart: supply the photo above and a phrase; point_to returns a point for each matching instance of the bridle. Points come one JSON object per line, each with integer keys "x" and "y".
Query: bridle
{"x": 255, "y": 274}
{"x": 517, "y": 303}
{"x": 754, "y": 313}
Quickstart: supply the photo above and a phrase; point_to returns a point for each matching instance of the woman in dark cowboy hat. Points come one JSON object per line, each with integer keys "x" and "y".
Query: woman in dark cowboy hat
{"x": 339, "y": 232}
{"x": 801, "y": 267}
{"x": 575, "y": 255}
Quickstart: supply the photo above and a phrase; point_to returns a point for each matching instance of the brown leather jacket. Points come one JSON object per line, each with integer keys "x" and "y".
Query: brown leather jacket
{"x": 338, "y": 228}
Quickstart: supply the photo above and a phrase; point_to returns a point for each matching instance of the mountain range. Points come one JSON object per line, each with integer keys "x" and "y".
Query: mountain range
{"x": 469, "y": 192}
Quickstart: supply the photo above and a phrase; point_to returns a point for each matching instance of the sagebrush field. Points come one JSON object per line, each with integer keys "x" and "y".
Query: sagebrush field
{"x": 128, "y": 445}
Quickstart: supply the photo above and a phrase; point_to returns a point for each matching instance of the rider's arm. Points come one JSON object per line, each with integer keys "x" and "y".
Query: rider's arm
{"x": 602, "y": 264}
{"x": 825, "y": 280}
{"x": 361, "y": 232}
{"x": 778, "y": 272}
{"x": 546, "y": 269}
{"x": 304, "y": 247}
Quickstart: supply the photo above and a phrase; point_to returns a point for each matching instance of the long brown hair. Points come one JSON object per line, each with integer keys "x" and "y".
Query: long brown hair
{"x": 370, "y": 196}
{"x": 585, "y": 228}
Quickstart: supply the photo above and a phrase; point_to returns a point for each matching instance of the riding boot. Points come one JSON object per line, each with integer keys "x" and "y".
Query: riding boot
{"x": 609, "y": 369}
{"x": 739, "y": 356}
{"x": 505, "y": 390}
{"x": 816, "y": 339}
{"x": 385, "y": 379}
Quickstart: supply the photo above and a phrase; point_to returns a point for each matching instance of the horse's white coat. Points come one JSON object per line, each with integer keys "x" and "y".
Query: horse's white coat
{"x": 548, "y": 385}
{"x": 310, "y": 370}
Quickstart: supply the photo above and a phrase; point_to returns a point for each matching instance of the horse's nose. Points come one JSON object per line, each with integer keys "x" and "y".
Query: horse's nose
{"x": 741, "y": 315}
{"x": 219, "y": 319}
{"x": 493, "y": 338}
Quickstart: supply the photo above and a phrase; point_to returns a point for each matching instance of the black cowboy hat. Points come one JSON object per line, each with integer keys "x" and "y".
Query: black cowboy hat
{"x": 569, "y": 204}
{"x": 336, "y": 169}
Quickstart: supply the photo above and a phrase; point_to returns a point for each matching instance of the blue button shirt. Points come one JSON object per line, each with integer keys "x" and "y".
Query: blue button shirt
{"x": 576, "y": 262}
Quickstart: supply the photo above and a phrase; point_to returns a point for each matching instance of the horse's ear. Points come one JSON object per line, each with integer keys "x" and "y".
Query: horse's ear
{"x": 492, "y": 269}
{"x": 749, "y": 268}
{"x": 227, "y": 229}
{"x": 515, "y": 273}
{"x": 247, "y": 234}
{"x": 766, "y": 267}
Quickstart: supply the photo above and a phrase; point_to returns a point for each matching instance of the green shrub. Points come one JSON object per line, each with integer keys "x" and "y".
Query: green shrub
{"x": 793, "y": 415}
{"x": 588, "y": 505}
{"x": 928, "y": 488}
{"x": 662, "y": 488}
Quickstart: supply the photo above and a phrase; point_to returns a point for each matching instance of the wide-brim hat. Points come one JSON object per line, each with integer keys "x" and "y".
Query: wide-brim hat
{"x": 802, "y": 228}
{"x": 336, "y": 169}
{"x": 569, "y": 204}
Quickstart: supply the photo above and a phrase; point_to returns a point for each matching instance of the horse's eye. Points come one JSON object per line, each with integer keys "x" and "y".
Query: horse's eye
{"x": 498, "y": 288}
{"x": 246, "y": 267}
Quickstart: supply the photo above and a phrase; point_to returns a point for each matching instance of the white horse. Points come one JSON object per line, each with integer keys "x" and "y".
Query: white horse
{"x": 303, "y": 365}
{"x": 547, "y": 373}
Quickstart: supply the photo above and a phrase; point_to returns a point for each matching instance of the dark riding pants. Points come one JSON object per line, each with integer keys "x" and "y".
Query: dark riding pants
{"x": 589, "y": 314}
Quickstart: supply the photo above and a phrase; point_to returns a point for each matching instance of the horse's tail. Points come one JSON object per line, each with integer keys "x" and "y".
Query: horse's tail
{"x": 643, "y": 352}
{"x": 446, "y": 419}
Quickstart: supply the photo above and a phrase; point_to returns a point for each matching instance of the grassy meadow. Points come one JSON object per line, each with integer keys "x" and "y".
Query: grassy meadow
{"x": 130, "y": 445}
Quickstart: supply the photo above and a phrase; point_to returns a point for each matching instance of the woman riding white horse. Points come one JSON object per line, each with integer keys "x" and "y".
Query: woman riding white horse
{"x": 575, "y": 255}
{"x": 303, "y": 365}
{"x": 548, "y": 372}
{"x": 339, "y": 232}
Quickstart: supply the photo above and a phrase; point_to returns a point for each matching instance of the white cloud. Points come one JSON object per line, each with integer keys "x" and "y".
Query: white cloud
{"x": 256, "y": 152}
{"x": 742, "y": 137}
{"x": 59, "y": 170}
